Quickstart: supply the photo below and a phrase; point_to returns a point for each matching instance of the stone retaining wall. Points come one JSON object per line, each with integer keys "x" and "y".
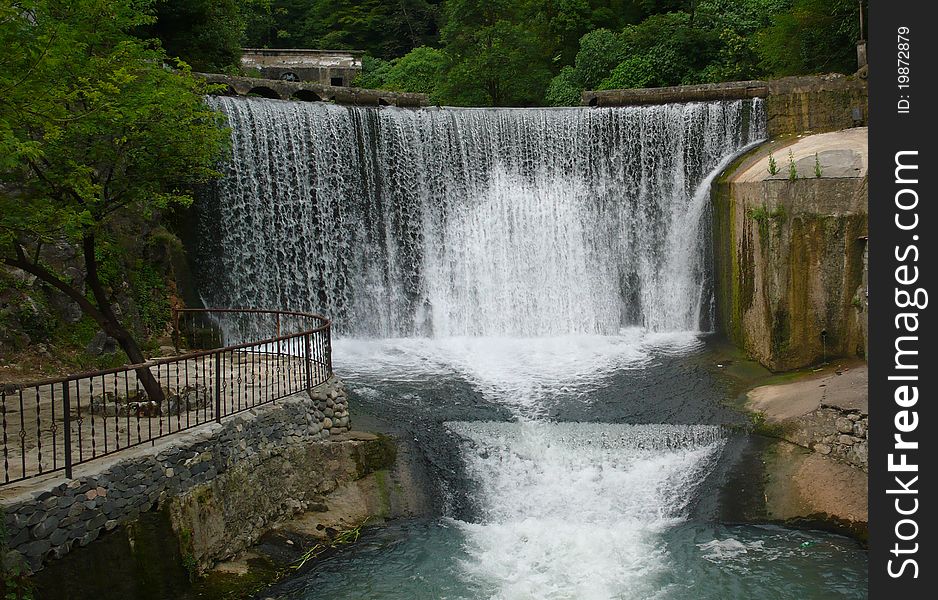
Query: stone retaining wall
{"x": 314, "y": 92}
{"x": 47, "y": 518}
{"x": 836, "y": 432}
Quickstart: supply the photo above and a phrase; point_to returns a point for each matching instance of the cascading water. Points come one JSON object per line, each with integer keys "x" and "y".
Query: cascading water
{"x": 602, "y": 493}
{"x": 544, "y": 266}
{"x": 455, "y": 222}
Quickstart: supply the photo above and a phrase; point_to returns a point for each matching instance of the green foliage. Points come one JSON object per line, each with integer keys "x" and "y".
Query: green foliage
{"x": 600, "y": 51}
{"x": 420, "y": 70}
{"x": 792, "y": 168}
{"x": 563, "y": 89}
{"x": 384, "y": 29}
{"x": 496, "y": 58}
{"x": 817, "y": 166}
{"x": 634, "y": 72}
{"x": 530, "y": 52}
{"x": 773, "y": 165}
{"x": 91, "y": 123}
{"x": 374, "y": 72}
{"x": 206, "y": 34}
{"x": 98, "y": 134}
{"x": 814, "y": 36}
{"x": 149, "y": 293}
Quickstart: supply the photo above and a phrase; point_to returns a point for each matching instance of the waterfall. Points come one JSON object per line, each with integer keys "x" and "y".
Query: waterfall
{"x": 470, "y": 222}
{"x": 576, "y": 510}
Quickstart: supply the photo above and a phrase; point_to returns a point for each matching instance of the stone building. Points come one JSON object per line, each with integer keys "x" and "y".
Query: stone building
{"x": 326, "y": 67}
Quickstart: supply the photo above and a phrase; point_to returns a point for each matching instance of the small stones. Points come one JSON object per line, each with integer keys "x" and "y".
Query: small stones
{"x": 844, "y": 425}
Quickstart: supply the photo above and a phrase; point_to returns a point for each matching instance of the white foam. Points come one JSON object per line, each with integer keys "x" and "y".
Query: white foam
{"x": 576, "y": 511}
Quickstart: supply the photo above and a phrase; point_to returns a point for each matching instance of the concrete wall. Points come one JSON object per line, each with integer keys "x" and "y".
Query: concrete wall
{"x": 815, "y": 104}
{"x": 788, "y": 254}
{"x": 257, "y": 467}
{"x": 793, "y": 105}
{"x": 316, "y": 66}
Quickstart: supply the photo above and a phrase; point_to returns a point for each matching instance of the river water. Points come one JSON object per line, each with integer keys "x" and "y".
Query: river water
{"x": 520, "y": 293}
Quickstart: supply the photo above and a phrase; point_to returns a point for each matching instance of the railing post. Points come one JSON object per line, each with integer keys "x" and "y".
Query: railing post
{"x": 329, "y": 349}
{"x": 309, "y": 362}
{"x": 279, "y": 348}
{"x": 67, "y": 416}
{"x": 176, "y": 329}
{"x": 218, "y": 387}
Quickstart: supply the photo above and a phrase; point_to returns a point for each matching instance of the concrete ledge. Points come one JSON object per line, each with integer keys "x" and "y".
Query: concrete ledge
{"x": 794, "y": 105}
{"x": 734, "y": 90}
{"x": 312, "y": 92}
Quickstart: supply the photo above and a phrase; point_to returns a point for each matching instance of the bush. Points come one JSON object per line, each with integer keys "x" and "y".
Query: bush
{"x": 600, "y": 51}
{"x": 634, "y": 72}
{"x": 563, "y": 89}
{"x": 420, "y": 70}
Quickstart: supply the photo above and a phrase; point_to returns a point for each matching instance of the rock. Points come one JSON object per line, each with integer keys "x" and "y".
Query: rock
{"x": 846, "y": 440}
{"x": 327, "y": 423}
{"x": 844, "y": 425}
{"x": 36, "y": 549}
{"x": 100, "y": 344}
{"x": 822, "y": 448}
{"x": 58, "y": 537}
{"x": 47, "y": 526}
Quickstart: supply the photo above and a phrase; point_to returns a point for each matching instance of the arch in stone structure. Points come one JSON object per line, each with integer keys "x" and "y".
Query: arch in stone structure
{"x": 306, "y": 96}
{"x": 264, "y": 91}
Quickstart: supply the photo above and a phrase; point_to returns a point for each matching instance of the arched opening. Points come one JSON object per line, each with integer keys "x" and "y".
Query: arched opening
{"x": 229, "y": 91}
{"x": 264, "y": 92}
{"x": 306, "y": 96}
{"x": 594, "y": 101}
{"x": 383, "y": 102}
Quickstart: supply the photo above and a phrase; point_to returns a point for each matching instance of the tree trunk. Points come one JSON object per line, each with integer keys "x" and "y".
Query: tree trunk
{"x": 102, "y": 314}
{"x": 112, "y": 325}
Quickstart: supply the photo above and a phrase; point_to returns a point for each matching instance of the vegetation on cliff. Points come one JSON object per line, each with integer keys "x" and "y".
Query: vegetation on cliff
{"x": 99, "y": 133}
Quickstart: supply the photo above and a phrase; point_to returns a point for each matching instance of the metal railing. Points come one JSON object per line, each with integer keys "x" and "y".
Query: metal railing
{"x": 55, "y": 424}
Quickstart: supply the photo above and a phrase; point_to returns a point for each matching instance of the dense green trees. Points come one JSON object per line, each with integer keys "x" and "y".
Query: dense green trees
{"x": 518, "y": 52}
{"x": 527, "y": 52}
{"x": 97, "y": 133}
{"x": 204, "y": 33}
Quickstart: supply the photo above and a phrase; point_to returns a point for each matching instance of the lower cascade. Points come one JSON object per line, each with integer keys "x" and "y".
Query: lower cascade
{"x": 547, "y": 492}
{"x": 471, "y": 222}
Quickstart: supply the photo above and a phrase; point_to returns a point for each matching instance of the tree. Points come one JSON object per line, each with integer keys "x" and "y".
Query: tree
{"x": 815, "y": 36}
{"x": 96, "y": 133}
{"x": 384, "y": 28}
{"x": 497, "y": 57}
{"x": 204, "y": 33}
{"x": 420, "y": 70}
{"x": 564, "y": 89}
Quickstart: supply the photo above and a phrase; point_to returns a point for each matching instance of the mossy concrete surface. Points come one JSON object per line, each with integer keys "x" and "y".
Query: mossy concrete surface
{"x": 789, "y": 234}
{"x": 816, "y": 470}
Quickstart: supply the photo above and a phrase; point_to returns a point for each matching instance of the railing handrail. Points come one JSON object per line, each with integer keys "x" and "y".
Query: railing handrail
{"x": 73, "y": 419}
{"x": 325, "y": 324}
